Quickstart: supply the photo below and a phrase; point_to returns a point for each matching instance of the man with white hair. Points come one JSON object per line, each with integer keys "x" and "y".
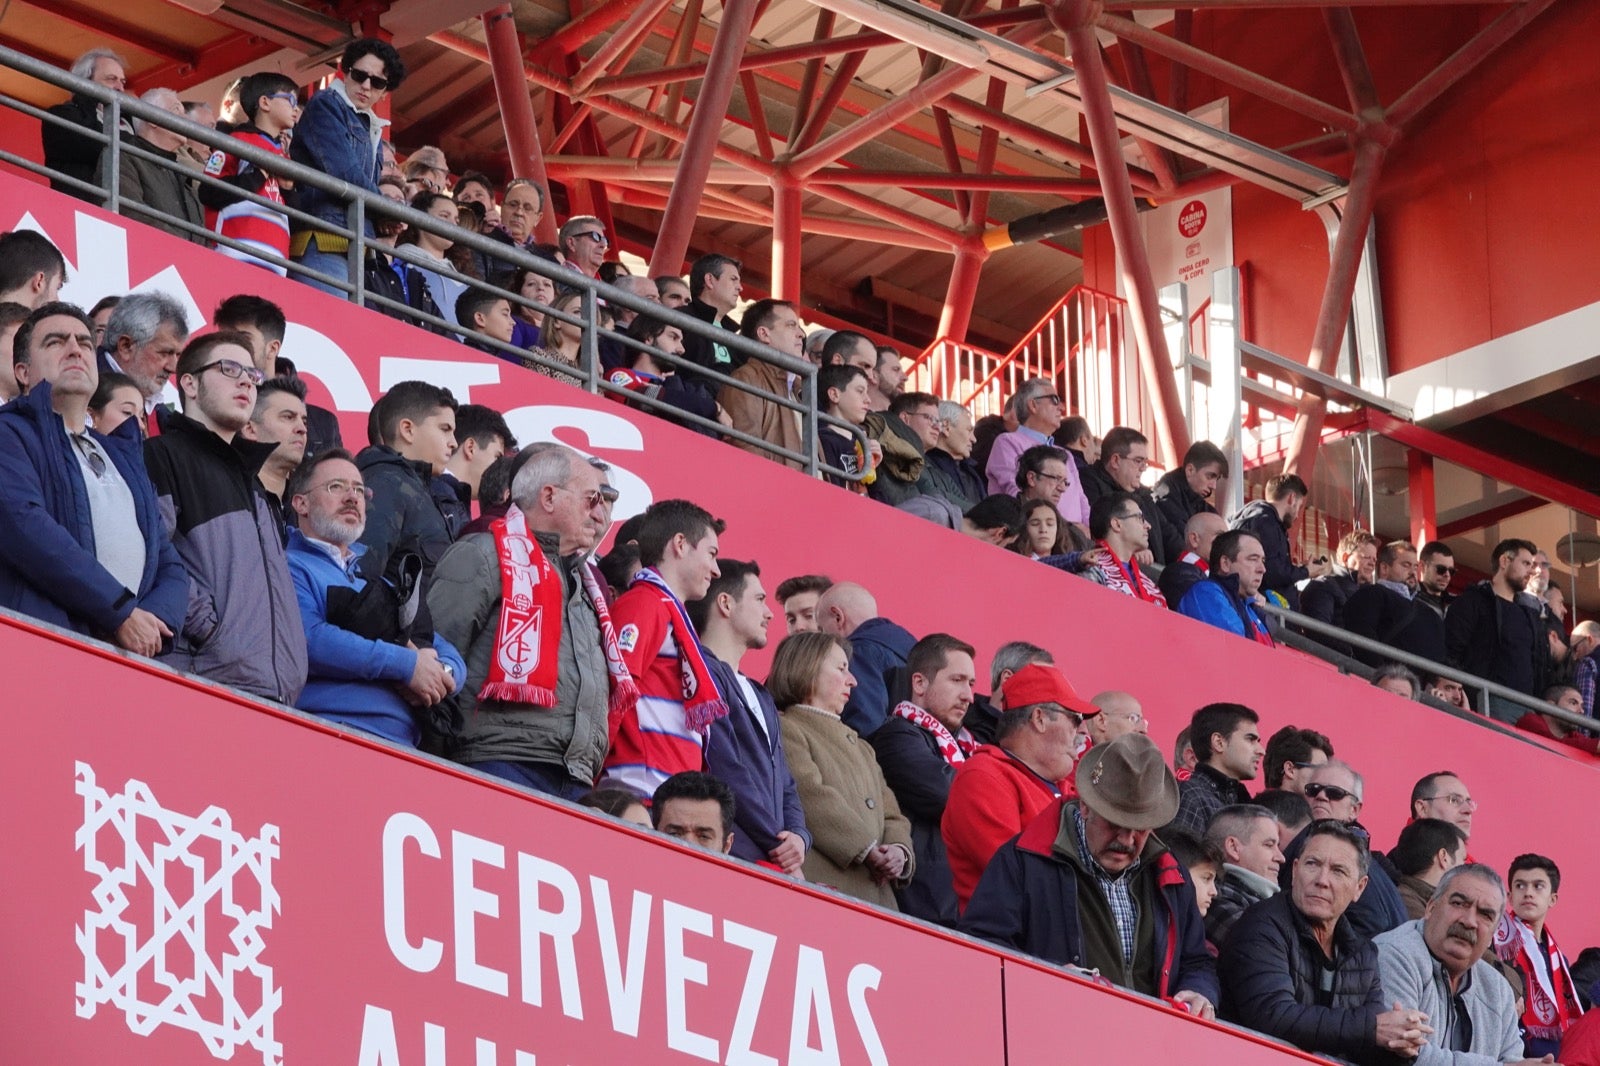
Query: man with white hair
{"x": 68, "y": 151}
{"x": 949, "y": 469}
{"x": 1585, "y": 664}
{"x": 543, "y": 671}
{"x": 144, "y": 337}
{"x": 162, "y": 187}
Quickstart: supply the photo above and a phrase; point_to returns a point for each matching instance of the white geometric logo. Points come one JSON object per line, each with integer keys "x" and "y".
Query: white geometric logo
{"x": 164, "y": 881}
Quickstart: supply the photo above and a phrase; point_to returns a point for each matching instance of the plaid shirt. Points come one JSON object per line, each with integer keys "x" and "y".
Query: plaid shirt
{"x": 1583, "y": 679}
{"x": 1124, "y": 908}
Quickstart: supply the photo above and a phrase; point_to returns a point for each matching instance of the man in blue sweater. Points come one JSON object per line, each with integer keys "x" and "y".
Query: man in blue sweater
{"x": 366, "y": 666}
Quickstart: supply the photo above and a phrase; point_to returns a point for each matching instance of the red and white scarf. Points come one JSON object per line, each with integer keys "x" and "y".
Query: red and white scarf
{"x": 1127, "y": 578}
{"x": 702, "y": 701}
{"x": 526, "y": 662}
{"x": 1195, "y": 561}
{"x": 955, "y": 748}
{"x": 1551, "y": 1002}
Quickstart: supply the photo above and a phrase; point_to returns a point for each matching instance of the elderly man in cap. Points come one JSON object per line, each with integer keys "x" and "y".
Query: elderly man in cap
{"x": 1088, "y": 884}
{"x": 1004, "y": 785}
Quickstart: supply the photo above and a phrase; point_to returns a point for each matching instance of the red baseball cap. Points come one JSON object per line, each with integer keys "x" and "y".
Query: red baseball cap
{"x": 1038, "y": 683}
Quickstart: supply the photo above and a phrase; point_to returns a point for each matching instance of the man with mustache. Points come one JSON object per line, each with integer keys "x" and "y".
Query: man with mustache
{"x": 1434, "y": 966}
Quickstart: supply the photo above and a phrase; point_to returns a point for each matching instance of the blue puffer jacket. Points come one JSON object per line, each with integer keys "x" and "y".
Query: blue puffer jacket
{"x": 878, "y": 647}
{"x": 353, "y": 680}
{"x": 335, "y": 138}
{"x": 48, "y": 567}
{"x": 1216, "y": 602}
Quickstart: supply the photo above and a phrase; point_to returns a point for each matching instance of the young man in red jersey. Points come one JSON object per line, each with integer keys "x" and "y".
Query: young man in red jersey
{"x": 272, "y": 104}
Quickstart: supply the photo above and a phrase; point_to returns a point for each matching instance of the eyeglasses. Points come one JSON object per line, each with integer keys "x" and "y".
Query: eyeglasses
{"x": 1051, "y": 477}
{"x": 1139, "y": 461}
{"x": 1332, "y": 792}
{"x": 232, "y": 369}
{"x": 1050, "y": 397}
{"x": 1072, "y": 716}
{"x": 594, "y": 235}
{"x": 1136, "y": 514}
{"x": 291, "y": 97}
{"x": 91, "y": 454}
{"x": 1443, "y": 570}
{"x": 340, "y": 489}
{"x": 361, "y": 77}
{"x": 609, "y": 494}
{"x": 1455, "y": 799}
{"x": 591, "y": 499}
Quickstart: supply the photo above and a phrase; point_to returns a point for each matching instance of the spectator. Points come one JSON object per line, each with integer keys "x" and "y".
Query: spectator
{"x": 714, "y": 288}
{"x": 696, "y": 808}
{"x": 73, "y": 154}
{"x": 99, "y": 314}
{"x": 367, "y": 668}
{"x": 243, "y": 626}
{"x": 1334, "y": 791}
{"x": 1490, "y": 632}
{"x": 1534, "y": 594}
{"x": 476, "y": 187}
{"x": 1038, "y": 410}
{"x": 889, "y": 378}
{"x": 535, "y": 713}
{"x": 1436, "y": 568}
{"x": 162, "y": 187}
{"x": 338, "y": 133}
{"x": 194, "y": 154}
{"x": 1550, "y": 727}
{"x": 12, "y": 316}
{"x": 32, "y": 270}
{"x": 846, "y": 347}
{"x": 1397, "y": 679}
{"x": 919, "y": 749}
{"x": 1079, "y": 440}
{"x": 1184, "y": 759}
{"x": 116, "y": 399}
{"x": 1585, "y": 662}
{"x": 482, "y": 437}
{"x": 415, "y": 423}
{"x": 271, "y": 102}
{"x": 878, "y": 648}
{"x": 560, "y": 334}
{"x": 533, "y": 286}
{"x": 645, "y": 374}
{"x": 987, "y": 430}
{"x": 1295, "y": 967}
{"x": 1388, "y": 611}
{"x": 322, "y": 425}
{"x": 745, "y": 748}
{"x": 1043, "y": 531}
{"x": 621, "y": 803}
{"x": 950, "y": 471}
{"x": 1191, "y": 567}
{"x": 861, "y": 843}
{"x": 797, "y": 599}
{"x": 1292, "y": 753}
{"x": 1428, "y": 849}
{"x": 279, "y": 417}
{"x": 1073, "y": 888}
{"x": 1122, "y": 532}
{"x": 674, "y": 292}
{"x": 427, "y": 170}
{"x": 643, "y": 288}
{"x": 1186, "y": 492}
{"x": 1001, "y": 789}
{"x": 1269, "y": 520}
{"x": 494, "y": 496}
{"x": 583, "y": 244}
{"x": 1289, "y": 808}
{"x": 1354, "y": 562}
{"x": 905, "y": 432}
{"x": 1447, "y": 689}
{"x": 777, "y": 325}
{"x": 1247, "y": 837}
{"x": 994, "y": 520}
{"x": 1228, "y": 595}
{"x": 1442, "y": 794}
{"x": 1042, "y": 475}
{"x": 1524, "y": 940}
{"x": 81, "y": 540}
{"x": 1434, "y": 966}
{"x": 144, "y": 339}
{"x": 434, "y": 247}
{"x": 843, "y": 390}
{"x": 678, "y": 700}
{"x": 1204, "y": 866}
{"x": 1124, "y": 457}
{"x": 1226, "y": 738}
{"x": 1120, "y": 714}
{"x": 395, "y": 287}
{"x": 983, "y": 717}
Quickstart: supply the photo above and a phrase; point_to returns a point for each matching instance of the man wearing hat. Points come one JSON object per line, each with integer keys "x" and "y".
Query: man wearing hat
{"x": 1005, "y": 785}
{"x": 1088, "y": 884}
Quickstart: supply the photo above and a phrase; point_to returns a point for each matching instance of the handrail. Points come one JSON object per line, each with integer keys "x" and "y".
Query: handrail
{"x": 363, "y": 204}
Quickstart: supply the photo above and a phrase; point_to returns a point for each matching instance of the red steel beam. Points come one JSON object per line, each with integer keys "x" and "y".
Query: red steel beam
{"x": 516, "y": 108}
{"x": 1434, "y": 85}
{"x": 1334, "y": 314}
{"x": 818, "y": 121}
{"x": 952, "y": 159}
{"x": 587, "y": 27}
{"x": 683, "y": 42}
{"x": 1421, "y": 500}
{"x": 638, "y": 24}
{"x": 988, "y": 143}
{"x": 1076, "y": 19}
{"x": 1579, "y": 440}
{"x": 1489, "y": 516}
{"x": 1219, "y": 5}
{"x": 1353, "y": 67}
{"x": 925, "y": 179}
{"x": 1187, "y": 55}
{"x": 808, "y": 79}
{"x": 758, "y": 114}
{"x": 962, "y": 293}
{"x": 1182, "y": 33}
{"x": 1163, "y": 163}
{"x": 1032, "y": 136}
{"x": 703, "y": 137}
{"x": 786, "y": 237}
{"x": 109, "y": 30}
{"x": 888, "y": 213}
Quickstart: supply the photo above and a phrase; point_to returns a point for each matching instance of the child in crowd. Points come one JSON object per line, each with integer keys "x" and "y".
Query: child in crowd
{"x": 1525, "y": 941}
{"x": 844, "y": 392}
{"x": 271, "y": 103}
{"x": 1204, "y": 865}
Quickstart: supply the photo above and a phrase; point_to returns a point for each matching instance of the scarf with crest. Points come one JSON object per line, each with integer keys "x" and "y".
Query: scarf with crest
{"x": 1551, "y": 1004}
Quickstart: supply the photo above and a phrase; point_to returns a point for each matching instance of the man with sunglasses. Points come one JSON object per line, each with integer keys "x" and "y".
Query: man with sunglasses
{"x": 1436, "y": 568}
{"x": 338, "y": 134}
{"x": 1334, "y": 791}
{"x": 1387, "y": 610}
{"x": 243, "y": 626}
{"x": 584, "y": 243}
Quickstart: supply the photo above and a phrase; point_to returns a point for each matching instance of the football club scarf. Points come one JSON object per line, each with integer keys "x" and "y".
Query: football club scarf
{"x": 526, "y": 661}
{"x": 702, "y": 702}
{"x": 954, "y": 747}
{"x": 1551, "y": 1004}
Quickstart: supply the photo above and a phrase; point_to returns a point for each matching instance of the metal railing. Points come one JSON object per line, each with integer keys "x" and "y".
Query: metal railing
{"x": 362, "y": 206}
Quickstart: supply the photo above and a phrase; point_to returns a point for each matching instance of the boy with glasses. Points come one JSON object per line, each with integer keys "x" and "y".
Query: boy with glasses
{"x": 271, "y": 103}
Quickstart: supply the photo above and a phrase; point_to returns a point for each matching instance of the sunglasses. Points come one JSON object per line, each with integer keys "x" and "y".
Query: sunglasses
{"x": 1442, "y": 570}
{"x": 594, "y": 235}
{"x": 361, "y": 77}
{"x": 1333, "y": 792}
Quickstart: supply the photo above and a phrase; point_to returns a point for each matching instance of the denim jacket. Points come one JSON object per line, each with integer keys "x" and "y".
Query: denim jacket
{"x": 335, "y": 138}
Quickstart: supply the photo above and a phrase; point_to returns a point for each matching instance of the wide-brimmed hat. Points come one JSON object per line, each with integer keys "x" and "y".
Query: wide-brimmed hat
{"x": 1128, "y": 783}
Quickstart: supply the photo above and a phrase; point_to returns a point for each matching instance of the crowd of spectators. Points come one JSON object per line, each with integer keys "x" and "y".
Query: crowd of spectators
{"x": 176, "y": 495}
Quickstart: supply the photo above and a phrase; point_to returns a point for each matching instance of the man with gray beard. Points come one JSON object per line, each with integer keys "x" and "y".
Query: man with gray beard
{"x": 367, "y": 668}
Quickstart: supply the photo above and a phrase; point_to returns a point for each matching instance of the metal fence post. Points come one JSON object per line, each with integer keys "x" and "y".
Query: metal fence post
{"x": 591, "y": 342}
{"x": 355, "y": 218}
{"x": 808, "y": 429}
{"x": 113, "y": 128}
{"x": 1225, "y": 401}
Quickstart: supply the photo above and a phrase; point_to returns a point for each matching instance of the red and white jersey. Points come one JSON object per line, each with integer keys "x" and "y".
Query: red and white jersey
{"x": 244, "y": 221}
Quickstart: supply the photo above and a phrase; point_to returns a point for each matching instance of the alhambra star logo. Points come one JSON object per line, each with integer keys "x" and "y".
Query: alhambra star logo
{"x": 181, "y": 906}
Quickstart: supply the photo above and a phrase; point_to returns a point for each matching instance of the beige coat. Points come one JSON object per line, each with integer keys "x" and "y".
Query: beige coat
{"x": 849, "y": 808}
{"x": 760, "y": 417}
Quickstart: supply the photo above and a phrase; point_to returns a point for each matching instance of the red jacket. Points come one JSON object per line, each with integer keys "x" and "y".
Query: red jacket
{"x": 992, "y": 798}
{"x": 1535, "y": 724}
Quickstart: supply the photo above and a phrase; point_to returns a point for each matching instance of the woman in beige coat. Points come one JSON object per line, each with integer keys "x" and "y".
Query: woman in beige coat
{"x": 860, "y": 842}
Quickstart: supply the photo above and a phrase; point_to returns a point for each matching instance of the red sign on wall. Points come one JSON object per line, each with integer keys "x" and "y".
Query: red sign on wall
{"x": 1192, "y": 219}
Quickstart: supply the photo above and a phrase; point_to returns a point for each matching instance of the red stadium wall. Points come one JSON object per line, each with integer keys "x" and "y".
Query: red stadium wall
{"x": 1482, "y": 219}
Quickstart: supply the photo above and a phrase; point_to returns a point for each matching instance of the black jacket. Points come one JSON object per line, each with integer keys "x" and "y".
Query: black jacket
{"x": 1269, "y": 969}
{"x": 1178, "y": 578}
{"x": 454, "y": 500}
{"x": 399, "y": 281}
{"x": 1324, "y": 597}
{"x": 1238, "y": 890}
{"x": 1178, "y": 502}
{"x": 1377, "y": 910}
{"x": 909, "y": 757}
{"x": 957, "y": 480}
{"x": 69, "y": 151}
{"x": 702, "y": 352}
{"x": 1260, "y": 519}
{"x": 1382, "y": 614}
{"x": 1476, "y": 641}
{"x": 403, "y": 511}
{"x": 1166, "y": 542}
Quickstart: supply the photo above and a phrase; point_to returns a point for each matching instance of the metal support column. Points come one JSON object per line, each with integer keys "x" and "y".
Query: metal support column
{"x": 962, "y": 292}
{"x": 1327, "y": 340}
{"x": 1420, "y": 499}
{"x": 1076, "y": 19}
{"x": 786, "y": 237}
{"x": 1225, "y": 401}
{"x": 705, "y": 127}
{"x": 516, "y": 108}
